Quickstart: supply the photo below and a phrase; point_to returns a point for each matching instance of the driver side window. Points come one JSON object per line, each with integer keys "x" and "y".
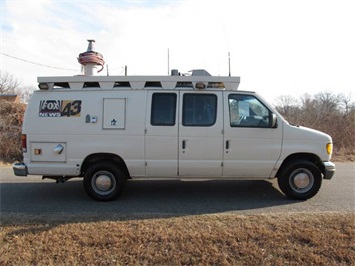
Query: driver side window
{"x": 247, "y": 111}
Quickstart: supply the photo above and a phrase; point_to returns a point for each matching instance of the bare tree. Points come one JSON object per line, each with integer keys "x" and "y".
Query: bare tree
{"x": 289, "y": 107}
{"x": 285, "y": 103}
{"x": 346, "y": 103}
{"x": 327, "y": 102}
{"x": 11, "y": 114}
{"x": 8, "y": 83}
{"x": 25, "y": 93}
{"x": 11, "y": 85}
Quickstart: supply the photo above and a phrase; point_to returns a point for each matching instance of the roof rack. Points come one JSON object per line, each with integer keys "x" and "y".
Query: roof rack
{"x": 138, "y": 82}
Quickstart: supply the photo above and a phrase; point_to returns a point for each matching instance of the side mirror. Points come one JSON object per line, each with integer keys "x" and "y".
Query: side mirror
{"x": 273, "y": 121}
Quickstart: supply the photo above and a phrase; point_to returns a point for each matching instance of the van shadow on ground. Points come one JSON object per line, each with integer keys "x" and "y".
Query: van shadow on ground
{"x": 68, "y": 202}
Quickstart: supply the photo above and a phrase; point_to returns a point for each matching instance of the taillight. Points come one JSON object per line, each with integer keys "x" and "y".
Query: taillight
{"x": 24, "y": 142}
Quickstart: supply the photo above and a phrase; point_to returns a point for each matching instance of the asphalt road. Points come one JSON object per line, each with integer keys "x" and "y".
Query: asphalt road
{"x": 30, "y": 199}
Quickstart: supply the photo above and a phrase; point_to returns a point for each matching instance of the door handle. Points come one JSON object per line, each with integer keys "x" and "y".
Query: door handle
{"x": 227, "y": 145}
{"x": 183, "y": 144}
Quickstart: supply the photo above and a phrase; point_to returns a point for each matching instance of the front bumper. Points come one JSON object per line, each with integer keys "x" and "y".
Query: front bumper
{"x": 20, "y": 169}
{"x": 329, "y": 170}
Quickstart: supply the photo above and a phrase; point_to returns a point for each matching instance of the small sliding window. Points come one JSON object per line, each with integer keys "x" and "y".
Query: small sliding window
{"x": 163, "y": 111}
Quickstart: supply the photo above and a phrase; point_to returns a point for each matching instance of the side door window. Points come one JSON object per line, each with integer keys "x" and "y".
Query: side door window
{"x": 163, "y": 109}
{"x": 247, "y": 111}
{"x": 199, "y": 110}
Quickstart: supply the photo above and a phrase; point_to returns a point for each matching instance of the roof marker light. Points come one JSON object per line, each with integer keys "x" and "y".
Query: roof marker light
{"x": 200, "y": 85}
{"x": 43, "y": 86}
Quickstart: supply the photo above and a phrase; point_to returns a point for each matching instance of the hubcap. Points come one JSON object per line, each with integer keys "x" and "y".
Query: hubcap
{"x": 103, "y": 183}
{"x": 301, "y": 180}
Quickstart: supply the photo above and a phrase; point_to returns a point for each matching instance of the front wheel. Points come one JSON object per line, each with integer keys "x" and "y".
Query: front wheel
{"x": 103, "y": 181}
{"x": 300, "y": 179}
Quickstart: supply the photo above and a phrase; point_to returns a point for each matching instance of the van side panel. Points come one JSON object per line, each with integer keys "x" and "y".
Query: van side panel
{"x": 77, "y": 120}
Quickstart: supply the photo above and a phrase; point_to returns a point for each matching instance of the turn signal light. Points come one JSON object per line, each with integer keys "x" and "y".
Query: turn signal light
{"x": 330, "y": 148}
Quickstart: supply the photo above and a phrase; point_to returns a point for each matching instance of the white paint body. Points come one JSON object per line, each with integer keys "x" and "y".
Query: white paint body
{"x": 117, "y": 121}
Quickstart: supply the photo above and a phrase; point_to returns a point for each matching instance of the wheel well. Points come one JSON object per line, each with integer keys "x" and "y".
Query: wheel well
{"x": 96, "y": 157}
{"x": 301, "y": 156}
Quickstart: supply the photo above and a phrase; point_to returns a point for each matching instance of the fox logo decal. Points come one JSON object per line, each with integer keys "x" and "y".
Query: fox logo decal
{"x": 59, "y": 108}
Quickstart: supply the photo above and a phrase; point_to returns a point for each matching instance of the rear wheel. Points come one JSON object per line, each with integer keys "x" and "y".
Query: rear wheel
{"x": 104, "y": 181}
{"x": 300, "y": 179}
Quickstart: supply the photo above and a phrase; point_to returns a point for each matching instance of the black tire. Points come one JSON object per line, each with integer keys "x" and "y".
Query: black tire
{"x": 103, "y": 181}
{"x": 300, "y": 179}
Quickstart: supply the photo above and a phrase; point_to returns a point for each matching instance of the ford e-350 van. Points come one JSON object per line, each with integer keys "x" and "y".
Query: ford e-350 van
{"x": 108, "y": 129}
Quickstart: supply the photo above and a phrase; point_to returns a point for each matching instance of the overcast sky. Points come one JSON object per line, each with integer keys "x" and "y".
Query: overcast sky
{"x": 277, "y": 47}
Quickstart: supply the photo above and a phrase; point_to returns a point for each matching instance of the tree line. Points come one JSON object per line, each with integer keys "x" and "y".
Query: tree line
{"x": 326, "y": 111}
{"x": 13, "y": 97}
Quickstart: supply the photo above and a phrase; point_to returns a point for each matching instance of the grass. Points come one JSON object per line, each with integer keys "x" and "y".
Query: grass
{"x": 224, "y": 239}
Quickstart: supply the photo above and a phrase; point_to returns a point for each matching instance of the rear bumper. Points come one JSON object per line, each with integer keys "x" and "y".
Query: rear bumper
{"x": 20, "y": 169}
{"x": 329, "y": 170}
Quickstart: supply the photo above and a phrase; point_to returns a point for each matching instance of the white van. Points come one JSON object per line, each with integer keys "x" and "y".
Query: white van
{"x": 108, "y": 129}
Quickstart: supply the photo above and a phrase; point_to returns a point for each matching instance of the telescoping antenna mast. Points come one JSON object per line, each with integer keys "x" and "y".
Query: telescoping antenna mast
{"x": 91, "y": 59}
{"x": 229, "y": 63}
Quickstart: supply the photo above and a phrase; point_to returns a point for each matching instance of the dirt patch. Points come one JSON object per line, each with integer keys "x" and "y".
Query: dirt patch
{"x": 295, "y": 239}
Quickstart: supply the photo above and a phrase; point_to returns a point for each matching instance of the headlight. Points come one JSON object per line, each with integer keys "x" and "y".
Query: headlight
{"x": 330, "y": 148}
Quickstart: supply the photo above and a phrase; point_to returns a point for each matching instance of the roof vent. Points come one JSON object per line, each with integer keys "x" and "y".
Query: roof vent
{"x": 199, "y": 72}
{"x": 175, "y": 72}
